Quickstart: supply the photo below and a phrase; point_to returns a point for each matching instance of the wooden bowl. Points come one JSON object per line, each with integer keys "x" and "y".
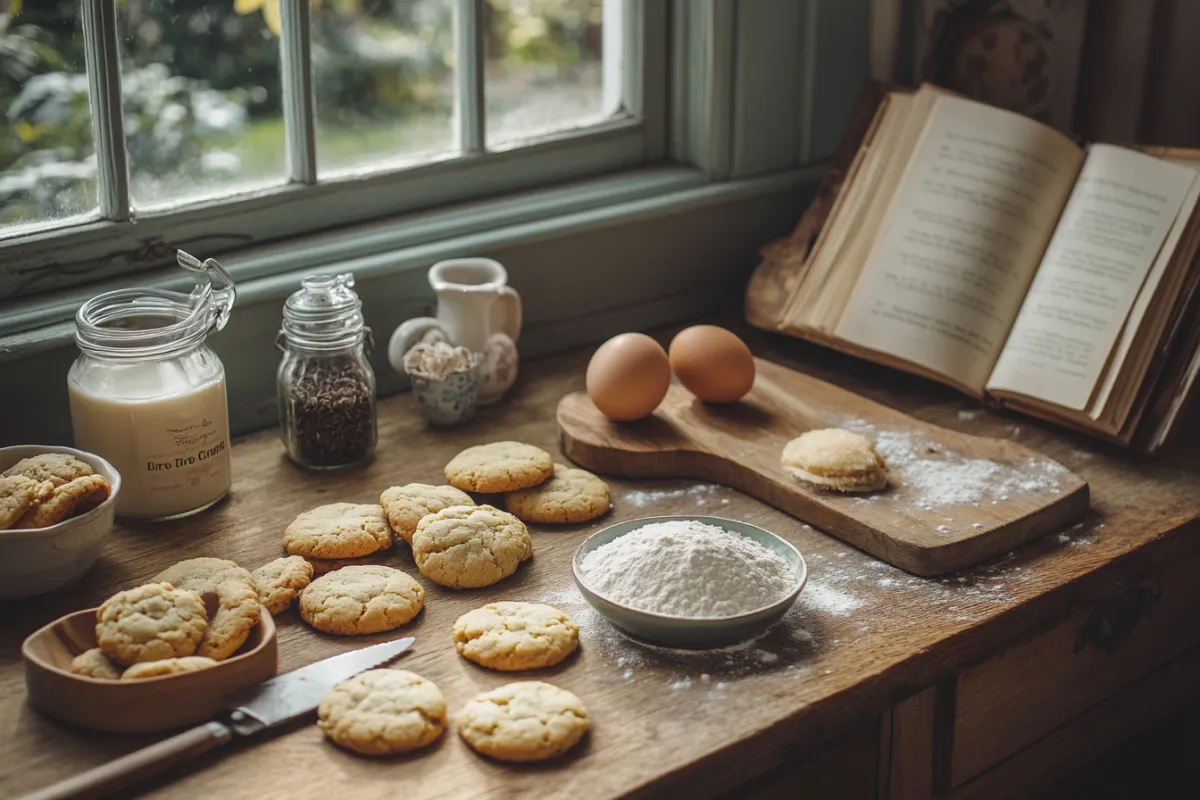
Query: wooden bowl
{"x": 150, "y": 705}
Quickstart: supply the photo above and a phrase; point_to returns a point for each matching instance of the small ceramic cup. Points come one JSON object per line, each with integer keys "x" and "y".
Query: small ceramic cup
{"x": 446, "y": 400}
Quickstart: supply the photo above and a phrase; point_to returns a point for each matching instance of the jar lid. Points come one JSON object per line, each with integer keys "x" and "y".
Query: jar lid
{"x": 325, "y": 312}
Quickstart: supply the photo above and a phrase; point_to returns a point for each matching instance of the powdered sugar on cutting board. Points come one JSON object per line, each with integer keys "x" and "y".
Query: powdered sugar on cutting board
{"x": 929, "y": 476}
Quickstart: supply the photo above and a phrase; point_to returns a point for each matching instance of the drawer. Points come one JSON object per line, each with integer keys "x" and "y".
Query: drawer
{"x": 1007, "y": 702}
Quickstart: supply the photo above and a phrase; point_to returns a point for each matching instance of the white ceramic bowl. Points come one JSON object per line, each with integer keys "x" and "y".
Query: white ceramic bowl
{"x": 44, "y": 559}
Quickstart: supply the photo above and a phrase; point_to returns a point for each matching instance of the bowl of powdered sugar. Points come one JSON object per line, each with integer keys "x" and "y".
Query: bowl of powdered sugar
{"x": 694, "y": 582}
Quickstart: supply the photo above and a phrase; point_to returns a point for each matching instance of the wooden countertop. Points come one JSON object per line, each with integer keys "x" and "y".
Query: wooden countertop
{"x": 862, "y": 636}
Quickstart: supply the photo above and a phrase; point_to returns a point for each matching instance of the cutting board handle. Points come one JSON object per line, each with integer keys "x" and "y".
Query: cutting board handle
{"x": 138, "y": 765}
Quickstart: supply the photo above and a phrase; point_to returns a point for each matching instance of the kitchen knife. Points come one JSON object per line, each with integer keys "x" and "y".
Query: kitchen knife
{"x": 274, "y": 702}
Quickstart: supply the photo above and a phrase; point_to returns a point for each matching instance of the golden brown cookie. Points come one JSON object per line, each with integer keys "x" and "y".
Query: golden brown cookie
{"x": 382, "y": 712}
{"x": 466, "y": 547}
{"x": 837, "y": 459}
{"x": 70, "y": 499}
{"x": 338, "y": 530}
{"x": 237, "y": 601}
{"x": 58, "y": 468}
{"x": 571, "y": 495}
{"x": 94, "y": 664}
{"x": 357, "y": 600}
{"x": 149, "y": 623}
{"x": 405, "y": 505}
{"x": 523, "y": 721}
{"x": 19, "y": 494}
{"x": 167, "y": 666}
{"x": 280, "y": 582}
{"x": 499, "y": 467}
{"x": 510, "y": 636}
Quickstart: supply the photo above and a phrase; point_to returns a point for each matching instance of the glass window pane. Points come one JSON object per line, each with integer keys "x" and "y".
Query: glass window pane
{"x": 543, "y": 66}
{"x": 47, "y": 158}
{"x": 383, "y": 75}
{"x": 202, "y": 94}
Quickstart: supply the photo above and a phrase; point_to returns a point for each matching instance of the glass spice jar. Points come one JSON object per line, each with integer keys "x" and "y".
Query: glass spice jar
{"x": 326, "y": 387}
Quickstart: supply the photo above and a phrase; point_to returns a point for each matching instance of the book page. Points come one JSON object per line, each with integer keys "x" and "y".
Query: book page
{"x": 1120, "y": 212}
{"x": 965, "y": 232}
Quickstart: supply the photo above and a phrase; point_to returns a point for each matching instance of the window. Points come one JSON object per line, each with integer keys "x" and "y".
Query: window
{"x": 133, "y": 127}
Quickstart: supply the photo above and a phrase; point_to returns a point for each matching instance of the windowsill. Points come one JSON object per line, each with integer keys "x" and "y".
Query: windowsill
{"x": 627, "y": 252}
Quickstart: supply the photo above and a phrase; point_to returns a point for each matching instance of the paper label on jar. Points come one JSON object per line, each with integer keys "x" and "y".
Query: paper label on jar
{"x": 172, "y": 452}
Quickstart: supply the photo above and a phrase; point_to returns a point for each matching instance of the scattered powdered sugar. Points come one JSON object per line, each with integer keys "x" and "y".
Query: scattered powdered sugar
{"x": 699, "y": 493}
{"x": 688, "y": 568}
{"x": 929, "y": 476}
{"x": 969, "y": 413}
{"x": 821, "y": 596}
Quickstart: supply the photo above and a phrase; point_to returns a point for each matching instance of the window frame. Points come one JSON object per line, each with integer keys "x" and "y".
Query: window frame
{"x": 122, "y": 244}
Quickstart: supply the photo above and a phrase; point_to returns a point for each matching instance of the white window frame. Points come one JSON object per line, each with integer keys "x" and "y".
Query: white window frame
{"x": 116, "y": 243}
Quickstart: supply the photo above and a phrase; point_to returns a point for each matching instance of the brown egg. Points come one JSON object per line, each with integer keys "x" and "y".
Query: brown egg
{"x": 628, "y": 377}
{"x": 714, "y": 364}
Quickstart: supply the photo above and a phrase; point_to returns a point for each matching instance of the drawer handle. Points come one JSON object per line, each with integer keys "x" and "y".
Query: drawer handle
{"x": 1115, "y": 619}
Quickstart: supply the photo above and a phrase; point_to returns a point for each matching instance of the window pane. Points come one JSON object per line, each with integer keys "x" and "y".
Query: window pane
{"x": 47, "y": 159}
{"x": 203, "y": 103}
{"x": 544, "y": 66}
{"x": 383, "y": 80}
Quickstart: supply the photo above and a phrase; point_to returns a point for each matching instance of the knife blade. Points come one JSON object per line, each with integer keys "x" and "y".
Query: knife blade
{"x": 271, "y": 703}
{"x": 300, "y": 691}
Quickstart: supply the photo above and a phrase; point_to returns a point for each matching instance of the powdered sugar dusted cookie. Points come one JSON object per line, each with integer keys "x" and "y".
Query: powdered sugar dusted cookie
{"x": 279, "y": 582}
{"x": 356, "y": 600}
{"x": 466, "y": 547}
{"x": 405, "y": 505}
{"x": 523, "y": 721}
{"x": 837, "y": 459}
{"x": 499, "y": 467}
{"x": 571, "y": 495}
{"x": 512, "y": 636}
{"x": 382, "y": 712}
{"x": 338, "y": 530}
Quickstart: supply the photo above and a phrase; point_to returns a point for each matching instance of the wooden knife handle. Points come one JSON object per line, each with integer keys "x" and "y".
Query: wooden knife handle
{"x": 138, "y": 765}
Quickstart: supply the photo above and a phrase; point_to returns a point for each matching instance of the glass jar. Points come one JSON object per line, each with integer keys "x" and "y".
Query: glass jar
{"x": 148, "y": 395}
{"x": 326, "y": 386}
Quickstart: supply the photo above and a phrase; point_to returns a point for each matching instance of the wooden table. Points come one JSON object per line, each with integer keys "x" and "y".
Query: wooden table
{"x": 878, "y": 684}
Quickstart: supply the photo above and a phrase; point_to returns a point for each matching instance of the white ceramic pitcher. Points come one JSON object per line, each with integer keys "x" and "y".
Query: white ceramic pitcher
{"x": 476, "y": 309}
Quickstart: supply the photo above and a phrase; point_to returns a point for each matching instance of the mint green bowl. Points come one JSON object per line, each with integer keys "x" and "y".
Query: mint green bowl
{"x": 696, "y": 633}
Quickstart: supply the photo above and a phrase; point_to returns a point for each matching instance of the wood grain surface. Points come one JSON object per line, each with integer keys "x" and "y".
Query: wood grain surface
{"x": 862, "y": 636}
{"x": 739, "y": 445}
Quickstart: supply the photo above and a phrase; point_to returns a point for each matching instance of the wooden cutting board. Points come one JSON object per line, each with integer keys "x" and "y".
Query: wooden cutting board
{"x": 952, "y": 499}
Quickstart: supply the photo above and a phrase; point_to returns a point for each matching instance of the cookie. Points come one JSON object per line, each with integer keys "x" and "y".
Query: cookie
{"x": 237, "y": 601}
{"x": 837, "y": 459}
{"x": 405, "y": 505}
{"x": 94, "y": 664}
{"x": 511, "y": 636}
{"x": 168, "y": 666}
{"x": 58, "y": 468}
{"x": 382, "y": 712}
{"x": 358, "y": 600}
{"x": 466, "y": 547}
{"x": 149, "y": 623}
{"x": 523, "y": 721}
{"x": 338, "y": 530}
{"x": 571, "y": 495}
{"x": 18, "y": 495}
{"x": 70, "y": 499}
{"x": 499, "y": 467}
{"x": 280, "y": 582}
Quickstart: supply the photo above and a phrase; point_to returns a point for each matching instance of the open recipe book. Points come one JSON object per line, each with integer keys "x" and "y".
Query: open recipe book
{"x": 988, "y": 251}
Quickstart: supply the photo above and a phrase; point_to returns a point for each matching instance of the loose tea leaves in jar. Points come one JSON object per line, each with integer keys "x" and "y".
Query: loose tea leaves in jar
{"x": 332, "y": 411}
{"x": 326, "y": 386}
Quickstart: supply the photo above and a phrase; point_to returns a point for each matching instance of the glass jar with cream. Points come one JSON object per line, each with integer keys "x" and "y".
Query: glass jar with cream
{"x": 148, "y": 394}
